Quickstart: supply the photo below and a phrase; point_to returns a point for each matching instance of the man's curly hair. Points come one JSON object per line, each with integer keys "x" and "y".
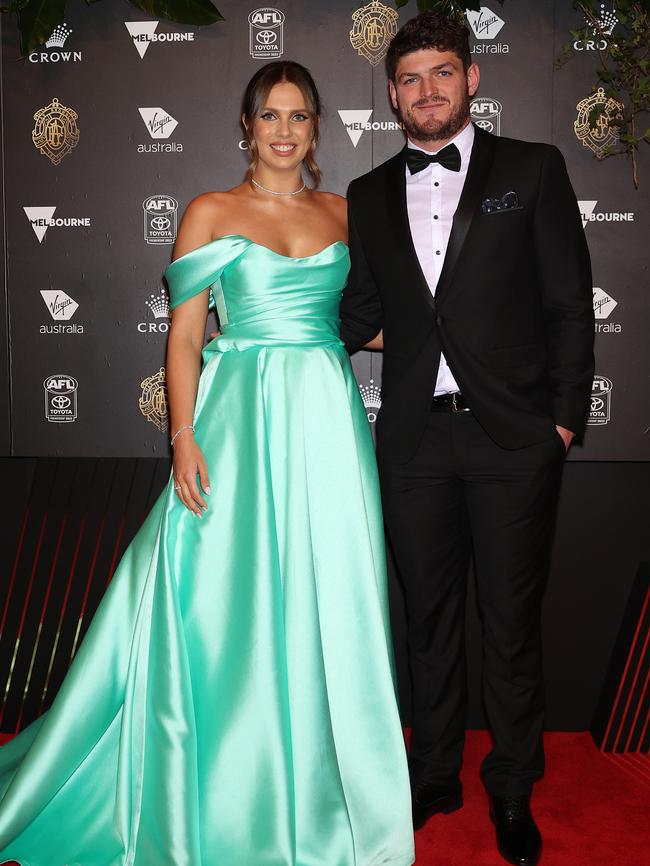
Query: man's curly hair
{"x": 428, "y": 30}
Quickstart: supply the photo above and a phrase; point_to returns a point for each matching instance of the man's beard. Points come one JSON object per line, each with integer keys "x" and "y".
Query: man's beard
{"x": 435, "y": 130}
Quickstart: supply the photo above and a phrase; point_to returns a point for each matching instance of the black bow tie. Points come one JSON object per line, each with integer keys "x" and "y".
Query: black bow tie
{"x": 448, "y": 157}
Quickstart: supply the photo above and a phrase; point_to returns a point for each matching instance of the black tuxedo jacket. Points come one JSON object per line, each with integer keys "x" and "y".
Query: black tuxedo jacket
{"x": 513, "y": 309}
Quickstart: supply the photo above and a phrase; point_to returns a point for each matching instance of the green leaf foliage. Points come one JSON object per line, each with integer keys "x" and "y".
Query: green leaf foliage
{"x": 181, "y": 11}
{"x": 623, "y": 70}
{"x": 36, "y": 21}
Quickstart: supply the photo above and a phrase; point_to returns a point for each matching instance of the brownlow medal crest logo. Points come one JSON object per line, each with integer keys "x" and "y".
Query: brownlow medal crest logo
{"x": 598, "y": 132}
{"x": 55, "y": 133}
{"x": 374, "y": 27}
{"x": 153, "y": 402}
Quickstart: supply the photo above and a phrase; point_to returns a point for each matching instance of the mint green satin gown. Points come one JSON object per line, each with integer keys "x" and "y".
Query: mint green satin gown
{"x": 232, "y": 703}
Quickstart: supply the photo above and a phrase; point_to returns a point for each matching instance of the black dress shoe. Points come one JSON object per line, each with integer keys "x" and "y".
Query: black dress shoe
{"x": 518, "y": 839}
{"x": 429, "y": 798}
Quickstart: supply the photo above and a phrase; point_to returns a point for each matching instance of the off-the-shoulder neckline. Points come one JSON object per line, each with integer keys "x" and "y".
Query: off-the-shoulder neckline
{"x": 262, "y": 246}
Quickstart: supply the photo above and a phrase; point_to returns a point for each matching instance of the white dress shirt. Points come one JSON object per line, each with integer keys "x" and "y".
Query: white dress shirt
{"x": 432, "y": 196}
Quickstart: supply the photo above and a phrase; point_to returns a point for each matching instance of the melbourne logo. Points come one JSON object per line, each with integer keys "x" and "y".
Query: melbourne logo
{"x": 589, "y": 214}
{"x": 160, "y": 125}
{"x": 371, "y": 396}
{"x": 357, "y": 121}
{"x": 60, "y": 398}
{"x": 266, "y": 33}
{"x": 144, "y": 33}
{"x": 55, "y": 44}
{"x": 486, "y": 113}
{"x": 486, "y": 25}
{"x": 41, "y": 218}
{"x": 604, "y": 306}
{"x": 159, "y": 307}
{"x": 599, "y": 27}
{"x": 160, "y": 216}
{"x": 601, "y": 402}
{"x": 55, "y": 133}
{"x": 596, "y": 124}
{"x": 61, "y": 308}
{"x": 374, "y": 25}
{"x": 153, "y": 400}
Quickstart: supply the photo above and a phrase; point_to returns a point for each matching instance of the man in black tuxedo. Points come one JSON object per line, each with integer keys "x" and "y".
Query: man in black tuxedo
{"x": 468, "y": 252}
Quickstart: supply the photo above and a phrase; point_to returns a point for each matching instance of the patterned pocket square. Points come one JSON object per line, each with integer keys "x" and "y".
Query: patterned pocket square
{"x": 508, "y": 201}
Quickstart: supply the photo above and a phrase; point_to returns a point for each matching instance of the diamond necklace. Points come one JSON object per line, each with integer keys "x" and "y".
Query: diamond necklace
{"x": 274, "y": 192}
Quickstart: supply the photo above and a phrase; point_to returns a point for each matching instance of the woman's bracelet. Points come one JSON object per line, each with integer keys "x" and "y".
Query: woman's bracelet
{"x": 180, "y": 430}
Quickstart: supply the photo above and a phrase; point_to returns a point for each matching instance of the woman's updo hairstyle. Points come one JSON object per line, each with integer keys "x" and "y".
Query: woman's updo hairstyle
{"x": 257, "y": 93}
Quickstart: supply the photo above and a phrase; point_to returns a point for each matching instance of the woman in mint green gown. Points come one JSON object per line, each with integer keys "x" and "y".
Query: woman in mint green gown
{"x": 233, "y": 703}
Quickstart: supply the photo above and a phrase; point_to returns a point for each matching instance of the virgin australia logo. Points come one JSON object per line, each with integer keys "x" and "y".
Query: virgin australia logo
{"x": 60, "y": 305}
{"x": 486, "y": 25}
{"x": 159, "y": 123}
{"x": 604, "y": 306}
{"x": 61, "y": 308}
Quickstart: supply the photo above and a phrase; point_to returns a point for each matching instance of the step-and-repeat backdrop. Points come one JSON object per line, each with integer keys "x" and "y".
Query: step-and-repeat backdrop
{"x": 113, "y": 125}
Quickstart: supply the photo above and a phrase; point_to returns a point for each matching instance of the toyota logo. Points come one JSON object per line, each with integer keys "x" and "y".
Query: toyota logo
{"x": 267, "y": 37}
{"x": 61, "y": 402}
{"x": 160, "y": 223}
{"x": 597, "y": 404}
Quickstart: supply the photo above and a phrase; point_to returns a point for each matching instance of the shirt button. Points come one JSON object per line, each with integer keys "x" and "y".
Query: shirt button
{"x": 435, "y": 216}
{"x": 436, "y": 183}
{"x": 437, "y": 252}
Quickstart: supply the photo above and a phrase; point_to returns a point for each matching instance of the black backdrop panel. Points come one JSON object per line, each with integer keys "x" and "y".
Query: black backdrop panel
{"x": 157, "y": 113}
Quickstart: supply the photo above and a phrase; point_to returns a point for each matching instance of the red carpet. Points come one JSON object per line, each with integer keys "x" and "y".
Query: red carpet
{"x": 593, "y": 810}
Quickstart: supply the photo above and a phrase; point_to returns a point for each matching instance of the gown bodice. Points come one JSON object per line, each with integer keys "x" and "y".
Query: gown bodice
{"x": 263, "y": 297}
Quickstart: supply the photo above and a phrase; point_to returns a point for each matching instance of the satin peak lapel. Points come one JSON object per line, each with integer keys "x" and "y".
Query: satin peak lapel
{"x": 469, "y": 205}
{"x": 396, "y": 196}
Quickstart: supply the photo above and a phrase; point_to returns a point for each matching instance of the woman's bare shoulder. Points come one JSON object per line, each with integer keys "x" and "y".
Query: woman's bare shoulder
{"x": 211, "y": 204}
{"x": 331, "y": 199}
{"x": 335, "y": 206}
{"x": 204, "y": 219}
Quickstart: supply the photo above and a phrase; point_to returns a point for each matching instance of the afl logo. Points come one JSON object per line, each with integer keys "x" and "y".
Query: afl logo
{"x": 160, "y": 219}
{"x": 60, "y": 398}
{"x": 486, "y": 113}
{"x": 266, "y": 33}
{"x": 601, "y": 401}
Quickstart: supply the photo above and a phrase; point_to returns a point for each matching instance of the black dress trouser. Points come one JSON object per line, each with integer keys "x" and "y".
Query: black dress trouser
{"x": 462, "y": 493}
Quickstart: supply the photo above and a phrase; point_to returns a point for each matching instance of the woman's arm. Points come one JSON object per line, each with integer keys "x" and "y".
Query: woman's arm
{"x": 376, "y": 342}
{"x": 184, "y": 367}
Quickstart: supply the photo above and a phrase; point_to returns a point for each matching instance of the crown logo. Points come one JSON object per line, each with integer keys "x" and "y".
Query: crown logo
{"x": 371, "y": 396}
{"x": 159, "y": 304}
{"x": 606, "y": 21}
{"x": 58, "y": 36}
